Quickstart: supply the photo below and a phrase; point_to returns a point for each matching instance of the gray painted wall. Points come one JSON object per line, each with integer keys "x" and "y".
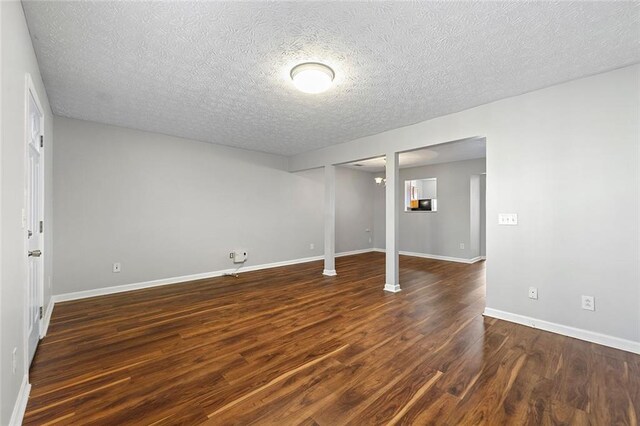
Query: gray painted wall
{"x": 354, "y": 210}
{"x": 474, "y": 217}
{"x": 17, "y": 59}
{"x": 566, "y": 159}
{"x": 437, "y": 233}
{"x": 167, "y": 207}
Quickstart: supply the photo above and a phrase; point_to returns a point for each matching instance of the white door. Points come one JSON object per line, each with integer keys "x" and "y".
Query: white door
{"x": 34, "y": 222}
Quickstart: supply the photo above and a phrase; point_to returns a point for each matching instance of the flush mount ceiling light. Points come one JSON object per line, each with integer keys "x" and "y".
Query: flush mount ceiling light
{"x": 312, "y": 77}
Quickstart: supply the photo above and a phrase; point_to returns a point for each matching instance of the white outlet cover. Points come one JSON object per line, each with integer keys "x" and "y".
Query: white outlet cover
{"x": 588, "y": 303}
{"x": 240, "y": 256}
{"x": 116, "y": 267}
{"x": 533, "y": 293}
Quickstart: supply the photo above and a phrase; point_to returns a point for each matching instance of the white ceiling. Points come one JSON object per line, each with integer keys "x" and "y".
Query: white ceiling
{"x": 467, "y": 149}
{"x": 219, "y": 71}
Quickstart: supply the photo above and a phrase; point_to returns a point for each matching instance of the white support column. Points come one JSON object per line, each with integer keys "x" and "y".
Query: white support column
{"x": 392, "y": 210}
{"x": 329, "y": 221}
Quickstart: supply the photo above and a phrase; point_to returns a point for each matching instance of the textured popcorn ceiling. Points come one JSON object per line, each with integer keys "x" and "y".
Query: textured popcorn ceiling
{"x": 219, "y": 72}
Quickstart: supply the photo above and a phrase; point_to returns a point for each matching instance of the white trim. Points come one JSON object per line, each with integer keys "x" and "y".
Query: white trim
{"x": 181, "y": 279}
{"x": 47, "y": 318}
{"x": 392, "y": 288}
{"x": 436, "y": 256}
{"x": 21, "y": 403}
{"x": 173, "y": 280}
{"x": 565, "y": 330}
{"x": 352, "y": 252}
{"x": 329, "y": 272}
{"x": 31, "y": 91}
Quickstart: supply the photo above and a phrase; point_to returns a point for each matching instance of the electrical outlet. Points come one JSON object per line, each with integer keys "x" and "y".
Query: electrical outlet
{"x": 312, "y": 246}
{"x": 461, "y": 246}
{"x": 588, "y": 303}
{"x": 533, "y": 293}
{"x": 231, "y": 255}
{"x": 116, "y": 267}
{"x": 14, "y": 360}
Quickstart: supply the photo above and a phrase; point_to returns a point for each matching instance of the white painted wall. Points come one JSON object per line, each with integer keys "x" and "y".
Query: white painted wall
{"x": 435, "y": 233}
{"x": 166, "y": 207}
{"x": 566, "y": 159}
{"x": 17, "y": 59}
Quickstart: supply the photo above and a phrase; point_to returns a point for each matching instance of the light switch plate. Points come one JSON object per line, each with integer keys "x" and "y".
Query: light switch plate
{"x": 507, "y": 219}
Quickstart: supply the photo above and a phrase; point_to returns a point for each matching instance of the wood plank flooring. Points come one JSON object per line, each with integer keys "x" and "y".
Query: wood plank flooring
{"x": 289, "y": 346}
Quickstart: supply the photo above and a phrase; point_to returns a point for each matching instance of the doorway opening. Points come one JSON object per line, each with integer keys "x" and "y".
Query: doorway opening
{"x": 441, "y": 200}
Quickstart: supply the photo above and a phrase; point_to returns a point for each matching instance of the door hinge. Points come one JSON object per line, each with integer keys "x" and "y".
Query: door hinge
{"x": 41, "y": 141}
{"x": 41, "y": 226}
{"x": 40, "y": 312}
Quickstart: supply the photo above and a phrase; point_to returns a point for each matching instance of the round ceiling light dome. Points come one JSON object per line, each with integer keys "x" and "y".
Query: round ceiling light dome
{"x": 312, "y": 77}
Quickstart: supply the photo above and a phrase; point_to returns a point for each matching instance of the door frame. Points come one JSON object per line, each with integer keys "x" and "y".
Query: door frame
{"x": 30, "y": 90}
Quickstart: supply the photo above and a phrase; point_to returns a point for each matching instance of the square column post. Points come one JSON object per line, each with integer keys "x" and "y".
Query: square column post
{"x": 392, "y": 210}
{"x": 329, "y": 221}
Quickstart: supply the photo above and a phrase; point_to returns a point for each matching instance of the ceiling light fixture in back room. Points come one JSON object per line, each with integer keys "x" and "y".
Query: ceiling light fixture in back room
{"x": 312, "y": 77}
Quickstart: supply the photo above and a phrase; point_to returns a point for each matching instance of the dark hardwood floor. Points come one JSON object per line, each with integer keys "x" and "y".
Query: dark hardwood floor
{"x": 289, "y": 346}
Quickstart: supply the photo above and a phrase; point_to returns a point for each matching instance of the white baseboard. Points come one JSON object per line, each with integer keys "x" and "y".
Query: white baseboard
{"x": 435, "y": 256}
{"x": 352, "y": 252}
{"x": 175, "y": 280}
{"x": 136, "y": 286}
{"x": 21, "y": 403}
{"x": 577, "y": 333}
{"x": 329, "y": 272}
{"x": 47, "y": 318}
